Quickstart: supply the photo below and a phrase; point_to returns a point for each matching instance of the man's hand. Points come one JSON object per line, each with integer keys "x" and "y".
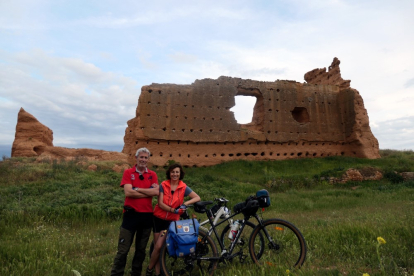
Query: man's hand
{"x": 155, "y": 185}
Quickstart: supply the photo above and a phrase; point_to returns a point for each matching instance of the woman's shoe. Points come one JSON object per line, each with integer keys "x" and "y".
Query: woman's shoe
{"x": 149, "y": 272}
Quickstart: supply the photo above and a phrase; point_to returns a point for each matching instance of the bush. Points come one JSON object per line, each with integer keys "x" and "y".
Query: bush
{"x": 393, "y": 177}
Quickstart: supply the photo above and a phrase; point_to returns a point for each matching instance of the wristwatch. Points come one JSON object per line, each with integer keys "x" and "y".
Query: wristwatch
{"x": 135, "y": 189}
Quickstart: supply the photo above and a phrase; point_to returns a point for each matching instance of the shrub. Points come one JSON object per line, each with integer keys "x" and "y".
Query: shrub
{"x": 393, "y": 177}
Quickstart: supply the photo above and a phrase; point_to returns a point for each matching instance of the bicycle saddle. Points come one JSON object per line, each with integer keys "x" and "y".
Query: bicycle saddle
{"x": 200, "y": 207}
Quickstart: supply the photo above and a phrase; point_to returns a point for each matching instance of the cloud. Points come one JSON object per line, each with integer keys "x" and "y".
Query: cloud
{"x": 409, "y": 83}
{"x": 395, "y": 134}
{"x": 180, "y": 57}
{"x": 80, "y": 102}
{"x": 83, "y": 64}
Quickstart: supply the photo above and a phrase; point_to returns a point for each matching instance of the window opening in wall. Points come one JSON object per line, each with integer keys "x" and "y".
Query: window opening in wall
{"x": 248, "y": 109}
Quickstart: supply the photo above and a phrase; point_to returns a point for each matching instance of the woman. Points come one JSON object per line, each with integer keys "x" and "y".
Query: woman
{"x": 169, "y": 208}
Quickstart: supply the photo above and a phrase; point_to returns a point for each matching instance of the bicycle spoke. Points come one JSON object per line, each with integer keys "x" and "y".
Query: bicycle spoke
{"x": 284, "y": 245}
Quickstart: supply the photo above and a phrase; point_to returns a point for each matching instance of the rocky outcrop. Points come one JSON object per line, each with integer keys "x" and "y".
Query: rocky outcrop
{"x": 407, "y": 175}
{"x": 193, "y": 124}
{"x": 357, "y": 175}
{"x": 33, "y": 139}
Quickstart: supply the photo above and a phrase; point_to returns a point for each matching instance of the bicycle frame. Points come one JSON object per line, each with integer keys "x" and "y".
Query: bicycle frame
{"x": 219, "y": 213}
{"x": 235, "y": 240}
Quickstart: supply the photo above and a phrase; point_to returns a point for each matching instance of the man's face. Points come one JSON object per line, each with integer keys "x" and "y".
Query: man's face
{"x": 142, "y": 160}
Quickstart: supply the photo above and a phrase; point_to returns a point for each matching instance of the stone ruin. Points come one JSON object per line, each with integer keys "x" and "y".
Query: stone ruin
{"x": 33, "y": 139}
{"x": 193, "y": 124}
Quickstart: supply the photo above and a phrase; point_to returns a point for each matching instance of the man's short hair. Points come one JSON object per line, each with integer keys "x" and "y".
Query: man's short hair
{"x": 142, "y": 150}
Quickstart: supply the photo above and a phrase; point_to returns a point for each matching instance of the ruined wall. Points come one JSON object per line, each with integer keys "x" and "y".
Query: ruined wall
{"x": 193, "y": 124}
{"x": 33, "y": 139}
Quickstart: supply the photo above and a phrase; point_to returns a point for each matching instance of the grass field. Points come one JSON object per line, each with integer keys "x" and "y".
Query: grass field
{"x": 58, "y": 218}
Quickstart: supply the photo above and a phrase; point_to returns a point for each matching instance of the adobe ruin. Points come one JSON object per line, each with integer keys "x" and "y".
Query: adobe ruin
{"x": 34, "y": 139}
{"x": 193, "y": 124}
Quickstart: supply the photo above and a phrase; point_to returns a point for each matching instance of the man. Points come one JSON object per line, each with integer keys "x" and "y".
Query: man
{"x": 140, "y": 185}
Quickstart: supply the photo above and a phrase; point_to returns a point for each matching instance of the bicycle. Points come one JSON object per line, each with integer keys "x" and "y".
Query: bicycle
{"x": 220, "y": 211}
{"x": 286, "y": 245}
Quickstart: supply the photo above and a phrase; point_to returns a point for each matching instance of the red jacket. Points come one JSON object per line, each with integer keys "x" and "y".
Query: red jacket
{"x": 173, "y": 200}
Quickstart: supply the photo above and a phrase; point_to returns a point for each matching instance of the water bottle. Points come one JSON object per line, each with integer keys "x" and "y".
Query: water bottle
{"x": 234, "y": 229}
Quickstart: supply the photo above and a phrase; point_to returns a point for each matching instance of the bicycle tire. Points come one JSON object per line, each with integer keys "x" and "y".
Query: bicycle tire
{"x": 172, "y": 266}
{"x": 243, "y": 242}
{"x": 288, "y": 250}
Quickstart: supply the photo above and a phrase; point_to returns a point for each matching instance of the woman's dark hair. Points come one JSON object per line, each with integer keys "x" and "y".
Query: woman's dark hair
{"x": 172, "y": 167}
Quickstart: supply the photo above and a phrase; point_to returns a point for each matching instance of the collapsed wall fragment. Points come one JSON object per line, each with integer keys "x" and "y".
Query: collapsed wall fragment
{"x": 33, "y": 139}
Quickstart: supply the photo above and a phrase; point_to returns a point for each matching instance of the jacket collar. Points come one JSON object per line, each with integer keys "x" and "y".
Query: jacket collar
{"x": 180, "y": 184}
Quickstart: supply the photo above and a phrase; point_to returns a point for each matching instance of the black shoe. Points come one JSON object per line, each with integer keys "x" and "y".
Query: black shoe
{"x": 149, "y": 272}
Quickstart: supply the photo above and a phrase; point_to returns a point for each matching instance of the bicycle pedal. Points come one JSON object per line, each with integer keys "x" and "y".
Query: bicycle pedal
{"x": 242, "y": 258}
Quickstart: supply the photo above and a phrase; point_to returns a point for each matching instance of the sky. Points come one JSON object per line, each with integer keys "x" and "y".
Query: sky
{"x": 78, "y": 66}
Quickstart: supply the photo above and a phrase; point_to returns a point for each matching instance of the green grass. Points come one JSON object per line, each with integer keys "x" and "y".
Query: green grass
{"x": 58, "y": 217}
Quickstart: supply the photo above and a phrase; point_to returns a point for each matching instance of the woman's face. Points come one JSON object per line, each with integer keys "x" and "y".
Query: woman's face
{"x": 175, "y": 174}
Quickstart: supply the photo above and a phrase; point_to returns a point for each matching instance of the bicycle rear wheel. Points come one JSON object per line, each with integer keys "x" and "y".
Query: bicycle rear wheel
{"x": 191, "y": 265}
{"x": 285, "y": 244}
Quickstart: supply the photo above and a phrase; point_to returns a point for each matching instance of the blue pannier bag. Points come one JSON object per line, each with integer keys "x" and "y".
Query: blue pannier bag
{"x": 263, "y": 198}
{"x": 182, "y": 237}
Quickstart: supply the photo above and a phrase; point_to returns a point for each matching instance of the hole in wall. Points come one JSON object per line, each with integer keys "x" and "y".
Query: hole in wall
{"x": 301, "y": 115}
{"x": 243, "y": 109}
{"x": 39, "y": 149}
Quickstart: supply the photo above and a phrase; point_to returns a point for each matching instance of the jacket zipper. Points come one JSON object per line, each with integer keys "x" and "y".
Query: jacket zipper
{"x": 172, "y": 198}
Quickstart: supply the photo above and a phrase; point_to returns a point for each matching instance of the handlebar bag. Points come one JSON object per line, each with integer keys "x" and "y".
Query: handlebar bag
{"x": 263, "y": 197}
{"x": 182, "y": 237}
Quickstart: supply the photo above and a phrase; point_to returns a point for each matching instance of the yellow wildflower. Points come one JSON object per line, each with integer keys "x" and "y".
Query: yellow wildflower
{"x": 365, "y": 274}
{"x": 381, "y": 240}
{"x": 287, "y": 271}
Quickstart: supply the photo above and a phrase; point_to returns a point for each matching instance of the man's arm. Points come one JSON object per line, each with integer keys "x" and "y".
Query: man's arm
{"x": 129, "y": 192}
{"x": 153, "y": 191}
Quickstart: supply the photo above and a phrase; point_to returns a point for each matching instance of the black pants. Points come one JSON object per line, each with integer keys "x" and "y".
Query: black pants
{"x": 142, "y": 232}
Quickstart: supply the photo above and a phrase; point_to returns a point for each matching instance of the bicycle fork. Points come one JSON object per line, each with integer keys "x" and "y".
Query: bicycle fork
{"x": 272, "y": 244}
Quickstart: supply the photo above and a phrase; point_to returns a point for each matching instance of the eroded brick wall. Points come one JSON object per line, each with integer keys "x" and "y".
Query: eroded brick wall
{"x": 193, "y": 124}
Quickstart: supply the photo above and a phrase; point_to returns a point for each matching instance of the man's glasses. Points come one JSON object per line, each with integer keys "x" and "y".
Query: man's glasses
{"x": 141, "y": 177}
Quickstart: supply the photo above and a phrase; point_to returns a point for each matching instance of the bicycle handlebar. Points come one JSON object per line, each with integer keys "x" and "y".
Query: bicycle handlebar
{"x": 221, "y": 200}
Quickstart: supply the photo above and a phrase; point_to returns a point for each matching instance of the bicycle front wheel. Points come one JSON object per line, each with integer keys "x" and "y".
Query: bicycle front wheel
{"x": 192, "y": 264}
{"x": 285, "y": 244}
{"x": 243, "y": 242}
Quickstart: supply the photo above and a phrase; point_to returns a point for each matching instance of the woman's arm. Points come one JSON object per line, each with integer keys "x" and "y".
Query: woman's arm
{"x": 162, "y": 205}
{"x": 193, "y": 198}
